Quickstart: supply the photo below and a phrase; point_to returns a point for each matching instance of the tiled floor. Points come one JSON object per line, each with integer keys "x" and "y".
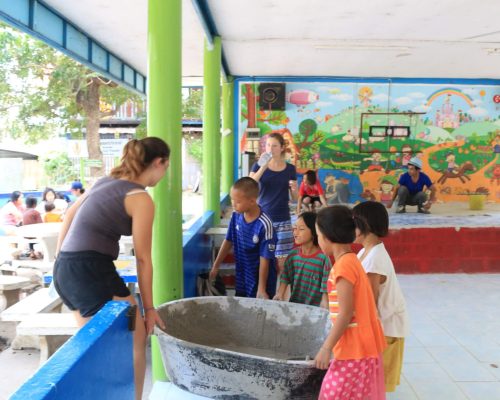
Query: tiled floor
{"x": 453, "y": 351}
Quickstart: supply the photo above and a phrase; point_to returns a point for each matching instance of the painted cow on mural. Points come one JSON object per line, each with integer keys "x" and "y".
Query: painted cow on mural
{"x": 459, "y": 173}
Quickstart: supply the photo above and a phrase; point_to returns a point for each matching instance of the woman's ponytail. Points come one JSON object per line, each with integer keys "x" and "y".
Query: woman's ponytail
{"x": 138, "y": 155}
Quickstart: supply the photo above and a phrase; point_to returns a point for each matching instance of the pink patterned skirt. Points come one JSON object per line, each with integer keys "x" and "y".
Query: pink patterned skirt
{"x": 354, "y": 379}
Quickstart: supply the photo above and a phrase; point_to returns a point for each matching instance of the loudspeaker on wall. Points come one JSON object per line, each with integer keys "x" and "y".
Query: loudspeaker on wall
{"x": 272, "y": 96}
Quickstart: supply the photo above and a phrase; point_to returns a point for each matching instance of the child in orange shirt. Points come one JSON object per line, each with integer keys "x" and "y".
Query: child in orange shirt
{"x": 49, "y": 215}
{"x": 356, "y": 338}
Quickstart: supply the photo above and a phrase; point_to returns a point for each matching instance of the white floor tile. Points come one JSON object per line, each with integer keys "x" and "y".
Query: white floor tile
{"x": 481, "y": 391}
{"x": 460, "y": 364}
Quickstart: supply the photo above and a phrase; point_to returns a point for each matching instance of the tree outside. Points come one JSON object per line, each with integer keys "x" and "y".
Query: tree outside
{"x": 44, "y": 93}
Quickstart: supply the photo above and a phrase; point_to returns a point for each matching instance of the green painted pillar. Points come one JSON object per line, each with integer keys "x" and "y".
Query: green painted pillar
{"x": 211, "y": 127}
{"x": 165, "y": 121}
{"x": 227, "y": 148}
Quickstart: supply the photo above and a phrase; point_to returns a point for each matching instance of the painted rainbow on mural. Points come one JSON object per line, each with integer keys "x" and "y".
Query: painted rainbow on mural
{"x": 451, "y": 91}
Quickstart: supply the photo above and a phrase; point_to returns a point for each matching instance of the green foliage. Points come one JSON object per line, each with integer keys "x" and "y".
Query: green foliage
{"x": 264, "y": 128}
{"x": 194, "y": 148}
{"x": 58, "y": 168}
{"x": 319, "y": 137}
{"x": 276, "y": 118}
{"x": 307, "y": 127}
{"x": 476, "y": 151}
{"x": 141, "y": 130}
{"x": 42, "y": 90}
{"x": 192, "y": 106}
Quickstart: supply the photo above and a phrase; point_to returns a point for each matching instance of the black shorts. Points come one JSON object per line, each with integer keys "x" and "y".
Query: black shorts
{"x": 313, "y": 198}
{"x": 87, "y": 280}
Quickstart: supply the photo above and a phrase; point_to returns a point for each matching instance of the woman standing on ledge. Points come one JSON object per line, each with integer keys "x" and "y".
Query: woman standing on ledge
{"x": 276, "y": 178}
{"x": 84, "y": 273}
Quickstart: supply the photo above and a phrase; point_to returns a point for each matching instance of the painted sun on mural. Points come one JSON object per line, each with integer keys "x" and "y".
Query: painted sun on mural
{"x": 359, "y": 137}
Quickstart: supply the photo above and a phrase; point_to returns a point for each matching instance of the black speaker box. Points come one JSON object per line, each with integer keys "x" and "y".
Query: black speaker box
{"x": 272, "y": 96}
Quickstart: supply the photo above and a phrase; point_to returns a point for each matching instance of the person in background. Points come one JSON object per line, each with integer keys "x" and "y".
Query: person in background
{"x": 12, "y": 213}
{"x": 50, "y": 196}
{"x": 84, "y": 273}
{"x": 311, "y": 194}
{"x": 356, "y": 337}
{"x": 387, "y": 293}
{"x": 76, "y": 190}
{"x": 410, "y": 189}
{"x": 50, "y": 215}
{"x": 251, "y": 233}
{"x": 276, "y": 178}
{"x": 31, "y": 215}
{"x": 306, "y": 267}
{"x": 63, "y": 196}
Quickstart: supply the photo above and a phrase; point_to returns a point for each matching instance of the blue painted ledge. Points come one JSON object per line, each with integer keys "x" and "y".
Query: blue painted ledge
{"x": 96, "y": 363}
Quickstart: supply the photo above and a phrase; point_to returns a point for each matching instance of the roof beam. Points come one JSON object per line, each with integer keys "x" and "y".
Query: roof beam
{"x": 41, "y": 21}
{"x": 207, "y": 23}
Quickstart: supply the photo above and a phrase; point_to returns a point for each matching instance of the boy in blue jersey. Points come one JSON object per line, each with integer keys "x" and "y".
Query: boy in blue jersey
{"x": 251, "y": 234}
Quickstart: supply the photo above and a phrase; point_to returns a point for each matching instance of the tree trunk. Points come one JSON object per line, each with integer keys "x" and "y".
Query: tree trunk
{"x": 88, "y": 99}
{"x": 250, "y": 95}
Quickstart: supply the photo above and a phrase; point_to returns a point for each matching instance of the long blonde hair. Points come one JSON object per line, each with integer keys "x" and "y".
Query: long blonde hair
{"x": 138, "y": 155}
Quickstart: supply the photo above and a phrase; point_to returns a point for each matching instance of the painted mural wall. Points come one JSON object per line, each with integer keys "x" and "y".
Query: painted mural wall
{"x": 360, "y": 136}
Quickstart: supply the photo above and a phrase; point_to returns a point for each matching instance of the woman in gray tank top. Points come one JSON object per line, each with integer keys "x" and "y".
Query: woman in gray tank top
{"x": 84, "y": 273}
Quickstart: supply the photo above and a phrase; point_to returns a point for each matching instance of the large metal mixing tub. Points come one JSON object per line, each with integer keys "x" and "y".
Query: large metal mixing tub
{"x": 239, "y": 348}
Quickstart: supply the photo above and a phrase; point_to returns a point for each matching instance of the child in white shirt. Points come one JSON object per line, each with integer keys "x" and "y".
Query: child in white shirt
{"x": 389, "y": 298}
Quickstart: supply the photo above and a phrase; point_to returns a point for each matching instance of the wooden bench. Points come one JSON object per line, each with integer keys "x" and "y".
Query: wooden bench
{"x": 10, "y": 288}
{"x": 53, "y": 330}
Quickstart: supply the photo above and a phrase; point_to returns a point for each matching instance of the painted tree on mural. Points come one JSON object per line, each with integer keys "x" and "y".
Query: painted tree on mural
{"x": 43, "y": 92}
{"x": 308, "y": 141}
{"x": 264, "y": 120}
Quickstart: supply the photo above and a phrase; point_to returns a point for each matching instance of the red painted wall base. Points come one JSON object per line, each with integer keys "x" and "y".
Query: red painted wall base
{"x": 448, "y": 250}
{"x": 440, "y": 250}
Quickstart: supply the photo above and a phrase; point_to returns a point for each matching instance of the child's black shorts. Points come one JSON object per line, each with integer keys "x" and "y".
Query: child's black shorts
{"x": 313, "y": 198}
{"x": 87, "y": 280}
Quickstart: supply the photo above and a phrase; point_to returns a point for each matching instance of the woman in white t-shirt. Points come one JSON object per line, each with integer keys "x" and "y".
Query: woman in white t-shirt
{"x": 11, "y": 214}
{"x": 389, "y": 298}
{"x": 49, "y": 196}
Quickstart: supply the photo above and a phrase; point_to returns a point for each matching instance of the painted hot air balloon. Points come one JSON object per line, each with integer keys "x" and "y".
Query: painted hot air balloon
{"x": 302, "y": 97}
